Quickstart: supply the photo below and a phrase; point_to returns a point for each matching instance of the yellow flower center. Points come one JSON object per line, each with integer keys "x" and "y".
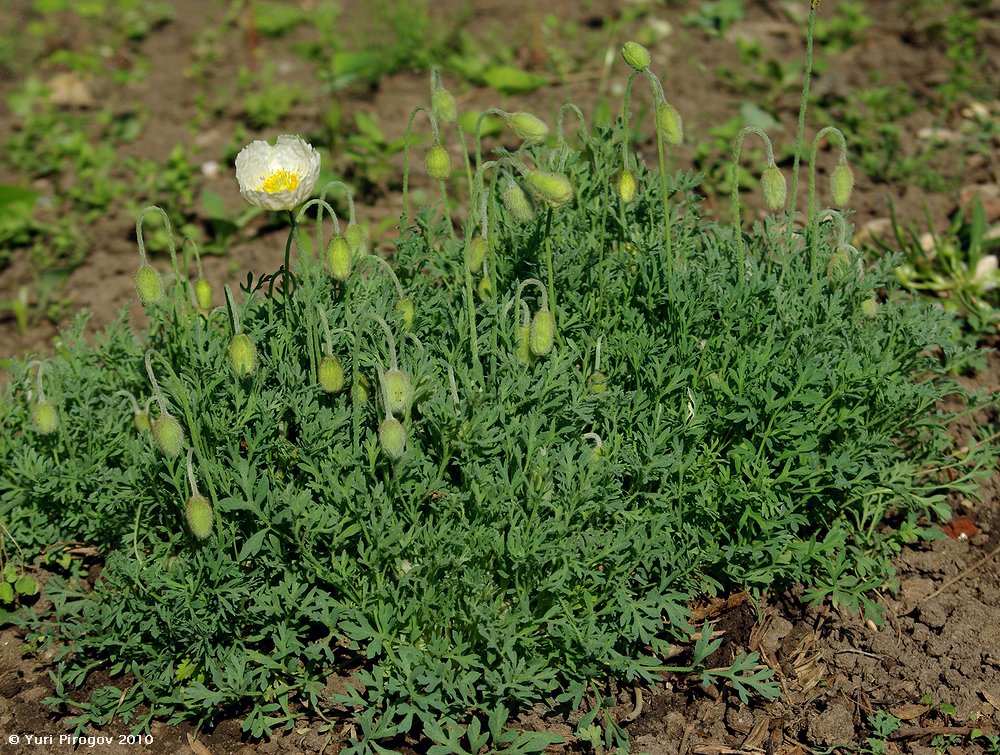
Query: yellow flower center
{"x": 280, "y": 180}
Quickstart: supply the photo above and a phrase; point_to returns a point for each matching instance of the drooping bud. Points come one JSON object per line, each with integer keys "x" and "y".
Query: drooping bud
{"x": 199, "y": 515}
{"x": 398, "y": 391}
{"x": 839, "y": 263}
{"x": 772, "y": 181}
{"x": 438, "y": 163}
{"x": 443, "y": 106}
{"x": 517, "y": 203}
{"x": 841, "y": 184}
{"x": 242, "y": 354}
{"x": 636, "y": 55}
{"x": 869, "y": 307}
{"x": 485, "y": 289}
{"x": 392, "y": 436}
{"x": 543, "y": 332}
{"x": 355, "y": 238}
{"x": 669, "y": 125}
{"x": 406, "y": 309}
{"x": 330, "y": 374}
{"x": 362, "y": 389}
{"x": 203, "y": 294}
{"x": 528, "y": 127}
{"x": 522, "y": 350}
{"x": 338, "y": 258}
{"x": 44, "y": 417}
{"x": 477, "y": 253}
{"x": 140, "y": 421}
{"x": 627, "y": 186}
{"x": 148, "y": 285}
{"x": 552, "y": 188}
{"x": 168, "y": 435}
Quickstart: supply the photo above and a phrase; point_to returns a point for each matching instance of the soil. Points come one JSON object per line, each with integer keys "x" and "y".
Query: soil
{"x": 941, "y": 638}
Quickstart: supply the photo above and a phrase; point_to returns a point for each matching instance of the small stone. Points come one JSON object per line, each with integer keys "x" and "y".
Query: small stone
{"x": 832, "y": 727}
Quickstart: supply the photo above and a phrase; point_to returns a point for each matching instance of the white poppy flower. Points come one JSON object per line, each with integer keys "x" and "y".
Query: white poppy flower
{"x": 279, "y": 177}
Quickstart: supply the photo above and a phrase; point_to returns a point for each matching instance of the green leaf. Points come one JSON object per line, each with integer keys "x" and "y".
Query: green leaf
{"x": 6, "y": 592}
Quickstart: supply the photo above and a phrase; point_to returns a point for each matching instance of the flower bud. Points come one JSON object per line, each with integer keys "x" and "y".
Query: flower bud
{"x": 443, "y": 106}
{"x": 636, "y": 55}
{"x": 552, "y": 188}
{"x": 242, "y": 354}
{"x": 140, "y": 421}
{"x": 438, "y": 163}
{"x": 168, "y": 435}
{"x": 517, "y": 203}
{"x": 528, "y": 127}
{"x": 148, "y": 285}
{"x": 362, "y": 390}
{"x": 338, "y": 258}
{"x": 398, "y": 391}
{"x": 477, "y": 253}
{"x": 841, "y": 184}
{"x": 522, "y": 349}
{"x": 406, "y": 309}
{"x": 392, "y": 436}
{"x": 330, "y": 374}
{"x": 199, "y": 515}
{"x": 485, "y": 289}
{"x": 203, "y": 294}
{"x": 869, "y": 307}
{"x": 669, "y": 125}
{"x": 44, "y": 417}
{"x": 772, "y": 181}
{"x": 543, "y": 332}
{"x": 838, "y": 266}
{"x": 627, "y": 186}
{"x": 355, "y": 238}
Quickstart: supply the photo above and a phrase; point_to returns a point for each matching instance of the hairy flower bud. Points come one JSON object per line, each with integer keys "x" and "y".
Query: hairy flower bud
{"x": 517, "y": 203}
{"x": 168, "y": 435}
{"x": 543, "y": 332}
{"x": 392, "y": 436}
{"x": 485, "y": 289}
{"x": 203, "y": 294}
{"x": 669, "y": 125}
{"x": 552, "y": 188}
{"x": 242, "y": 354}
{"x": 44, "y": 417}
{"x": 522, "y": 348}
{"x": 443, "y": 106}
{"x": 438, "y": 163}
{"x": 338, "y": 258}
{"x": 148, "y": 284}
{"x": 355, "y": 238}
{"x": 199, "y": 515}
{"x": 841, "y": 184}
{"x": 330, "y": 374}
{"x": 869, "y": 307}
{"x": 772, "y": 181}
{"x": 140, "y": 421}
{"x": 477, "y": 253}
{"x": 528, "y": 127}
{"x": 362, "y": 389}
{"x": 627, "y": 186}
{"x": 636, "y": 55}
{"x": 398, "y": 391}
{"x": 406, "y": 309}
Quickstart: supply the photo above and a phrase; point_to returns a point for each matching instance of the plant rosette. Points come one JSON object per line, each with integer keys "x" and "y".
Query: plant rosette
{"x": 278, "y": 177}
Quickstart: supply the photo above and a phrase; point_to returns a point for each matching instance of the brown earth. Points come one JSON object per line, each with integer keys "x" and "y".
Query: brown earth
{"x": 942, "y": 634}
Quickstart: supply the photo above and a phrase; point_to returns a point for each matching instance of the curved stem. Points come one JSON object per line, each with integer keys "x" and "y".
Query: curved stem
{"x": 478, "y": 130}
{"x": 384, "y": 266}
{"x": 405, "y": 219}
{"x": 170, "y": 237}
{"x": 811, "y": 218}
{"x": 735, "y": 186}
{"x": 390, "y": 340}
{"x": 156, "y": 386}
